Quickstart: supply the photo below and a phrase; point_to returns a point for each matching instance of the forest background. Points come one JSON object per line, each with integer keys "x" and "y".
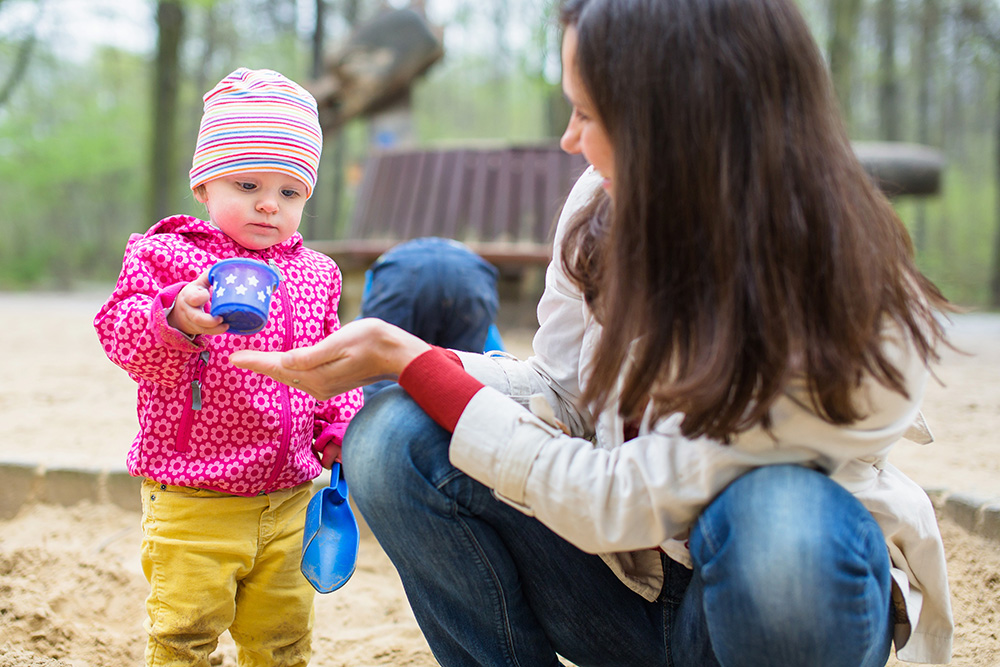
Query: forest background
{"x": 100, "y": 102}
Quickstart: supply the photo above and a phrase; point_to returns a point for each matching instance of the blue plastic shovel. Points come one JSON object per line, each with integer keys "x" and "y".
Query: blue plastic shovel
{"x": 330, "y": 542}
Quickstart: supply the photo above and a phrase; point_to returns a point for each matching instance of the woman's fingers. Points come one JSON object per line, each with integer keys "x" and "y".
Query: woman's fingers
{"x": 360, "y": 353}
{"x": 266, "y": 363}
{"x": 313, "y": 356}
{"x": 320, "y": 382}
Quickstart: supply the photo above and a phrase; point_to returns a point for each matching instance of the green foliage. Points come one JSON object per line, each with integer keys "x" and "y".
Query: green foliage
{"x": 70, "y": 173}
{"x": 956, "y": 247}
{"x": 462, "y": 103}
{"x": 75, "y": 136}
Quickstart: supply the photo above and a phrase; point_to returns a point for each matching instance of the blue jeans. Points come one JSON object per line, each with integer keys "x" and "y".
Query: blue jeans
{"x": 435, "y": 288}
{"x": 789, "y": 568}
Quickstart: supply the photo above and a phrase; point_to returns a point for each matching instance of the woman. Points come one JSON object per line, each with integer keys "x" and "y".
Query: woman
{"x": 733, "y": 334}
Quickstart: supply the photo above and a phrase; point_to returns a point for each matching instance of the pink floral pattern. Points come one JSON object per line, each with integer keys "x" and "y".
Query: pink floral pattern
{"x": 252, "y": 434}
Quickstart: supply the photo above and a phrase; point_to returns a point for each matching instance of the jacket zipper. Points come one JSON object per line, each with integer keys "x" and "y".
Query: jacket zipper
{"x": 187, "y": 419}
{"x": 286, "y": 406}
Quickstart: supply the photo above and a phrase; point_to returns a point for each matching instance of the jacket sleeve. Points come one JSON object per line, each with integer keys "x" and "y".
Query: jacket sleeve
{"x": 632, "y": 497}
{"x": 334, "y": 414}
{"x": 650, "y": 489}
{"x": 564, "y": 323}
{"x": 132, "y": 325}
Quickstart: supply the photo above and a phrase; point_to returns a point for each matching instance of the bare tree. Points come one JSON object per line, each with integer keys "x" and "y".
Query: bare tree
{"x": 927, "y": 49}
{"x": 890, "y": 119}
{"x": 16, "y": 74}
{"x": 21, "y": 61}
{"x": 170, "y": 30}
{"x": 845, "y": 16}
{"x": 310, "y": 230}
{"x": 995, "y": 262}
{"x": 987, "y": 27}
{"x": 350, "y": 12}
{"x": 319, "y": 39}
{"x": 209, "y": 43}
{"x": 281, "y": 14}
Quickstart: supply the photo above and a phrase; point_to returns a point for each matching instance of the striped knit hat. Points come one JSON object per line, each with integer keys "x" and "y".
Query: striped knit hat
{"x": 258, "y": 120}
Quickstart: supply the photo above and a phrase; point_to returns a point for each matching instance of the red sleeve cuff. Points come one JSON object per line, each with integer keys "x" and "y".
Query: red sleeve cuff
{"x": 437, "y": 381}
{"x": 450, "y": 354}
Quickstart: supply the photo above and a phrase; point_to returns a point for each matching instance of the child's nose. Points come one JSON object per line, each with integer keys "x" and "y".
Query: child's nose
{"x": 267, "y": 205}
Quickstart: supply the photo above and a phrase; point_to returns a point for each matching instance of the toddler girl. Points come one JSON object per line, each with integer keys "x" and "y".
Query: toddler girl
{"x": 229, "y": 456}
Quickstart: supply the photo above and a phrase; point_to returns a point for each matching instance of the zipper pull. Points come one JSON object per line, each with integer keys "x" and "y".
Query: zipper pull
{"x": 203, "y": 357}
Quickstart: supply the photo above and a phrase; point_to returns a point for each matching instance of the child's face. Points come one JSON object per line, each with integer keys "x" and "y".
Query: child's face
{"x": 255, "y": 209}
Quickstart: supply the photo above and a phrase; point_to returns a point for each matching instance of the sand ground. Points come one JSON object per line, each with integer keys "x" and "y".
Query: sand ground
{"x": 71, "y": 592}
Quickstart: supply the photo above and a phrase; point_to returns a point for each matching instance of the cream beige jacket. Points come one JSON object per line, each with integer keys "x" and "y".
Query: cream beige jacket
{"x": 619, "y": 499}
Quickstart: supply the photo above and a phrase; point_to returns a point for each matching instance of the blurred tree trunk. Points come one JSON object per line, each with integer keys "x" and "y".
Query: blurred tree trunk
{"x": 954, "y": 124}
{"x": 995, "y": 265}
{"x": 319, "y": 39}
{"x": 209, "y": 42}
{"x": 311, "y": 221}
{"x": 927, "y": 51}
{"x": 352, "y": 15}
{"x": 16, "y": 74}
{"x": 549, "y": 43}
{"x": 501, "y": 64}
{"x": 351, "y": 11}
{"x": 21, "y": 60}
{"x": 890, "y": 119}
{"x": 845, "y": 15}
{"x": 974, "y": 16}
{"x": 282, "y": 14}
{"x": 170, "y": 29}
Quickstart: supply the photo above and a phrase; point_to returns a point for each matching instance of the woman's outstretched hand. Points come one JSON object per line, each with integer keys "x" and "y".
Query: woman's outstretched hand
{"x": 361, "y": 352}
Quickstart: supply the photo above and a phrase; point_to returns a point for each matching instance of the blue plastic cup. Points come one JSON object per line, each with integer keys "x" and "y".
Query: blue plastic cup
{"x": 241, "y": 293}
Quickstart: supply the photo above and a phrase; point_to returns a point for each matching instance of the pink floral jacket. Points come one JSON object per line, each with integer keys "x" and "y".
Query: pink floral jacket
{"x": 202, "y": 422}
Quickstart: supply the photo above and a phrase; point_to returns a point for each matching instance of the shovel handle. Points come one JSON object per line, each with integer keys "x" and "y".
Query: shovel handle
{"x": 338, "y": 484}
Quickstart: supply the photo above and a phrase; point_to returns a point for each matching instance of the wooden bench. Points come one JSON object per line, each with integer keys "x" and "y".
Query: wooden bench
{"x": 901, "y": 169}
{"x": 502, "y": 202}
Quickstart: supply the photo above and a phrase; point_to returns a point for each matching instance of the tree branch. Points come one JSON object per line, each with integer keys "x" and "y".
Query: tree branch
{"x": 972, "y": 15}
{"x": 20, "y": 68}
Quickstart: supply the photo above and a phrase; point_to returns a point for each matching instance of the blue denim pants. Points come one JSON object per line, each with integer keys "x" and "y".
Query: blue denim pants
{"x": 789, "y": 568}
{"x": 438, "y": 290}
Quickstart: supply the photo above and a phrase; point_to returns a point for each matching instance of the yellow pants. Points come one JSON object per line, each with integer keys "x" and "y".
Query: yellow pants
{"x": 217, "y": 562}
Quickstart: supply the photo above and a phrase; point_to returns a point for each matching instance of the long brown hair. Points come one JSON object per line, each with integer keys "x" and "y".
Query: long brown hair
{"x": 745, "y": 245}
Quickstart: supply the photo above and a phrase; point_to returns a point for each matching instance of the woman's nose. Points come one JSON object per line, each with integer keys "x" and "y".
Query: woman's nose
{"x": 570, "y": 140}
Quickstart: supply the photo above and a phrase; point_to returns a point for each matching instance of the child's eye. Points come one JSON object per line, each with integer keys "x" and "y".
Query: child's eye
{"x": 289, "y": 193}
{"x": 246, "y": 186}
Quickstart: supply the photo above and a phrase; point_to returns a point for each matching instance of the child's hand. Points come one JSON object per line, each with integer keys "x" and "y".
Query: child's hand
{"x": 329, "y": 456}
{"x": 189, "y": 313}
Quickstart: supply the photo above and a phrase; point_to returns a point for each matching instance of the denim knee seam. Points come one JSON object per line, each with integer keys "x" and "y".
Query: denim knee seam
{"x": 503, "y": 620}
